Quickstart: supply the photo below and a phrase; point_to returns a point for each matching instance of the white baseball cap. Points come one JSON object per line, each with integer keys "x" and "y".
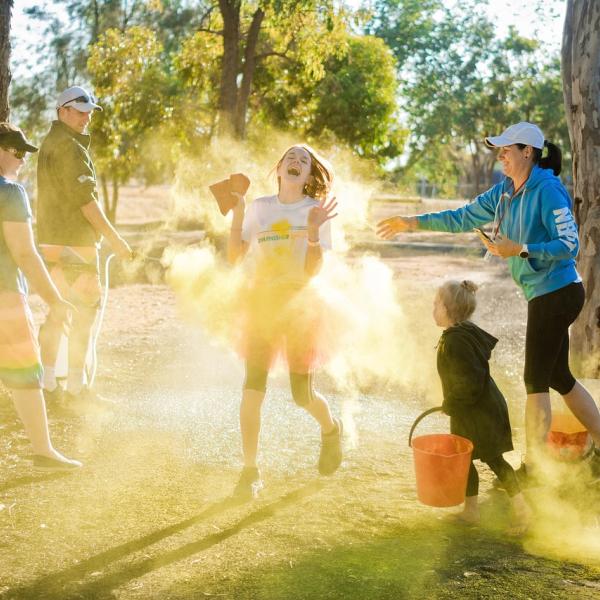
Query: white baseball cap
{"x": 77, "y": 98}
{"x": 521, "y": 133}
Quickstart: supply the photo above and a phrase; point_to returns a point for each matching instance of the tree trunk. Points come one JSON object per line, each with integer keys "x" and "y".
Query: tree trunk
{"x": 230, "y": 12}
{"x": 581, "y": 79}
{"x": 476, "y": 172}
{"x": 114, "y": 201}
{"x": 248, "y": 73}
{"x": 6, "y": 7}
{"x": 105, "y": 196}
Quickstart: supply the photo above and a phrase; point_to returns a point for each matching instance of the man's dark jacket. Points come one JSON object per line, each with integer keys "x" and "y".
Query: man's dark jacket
{"x": 66, "y": 181}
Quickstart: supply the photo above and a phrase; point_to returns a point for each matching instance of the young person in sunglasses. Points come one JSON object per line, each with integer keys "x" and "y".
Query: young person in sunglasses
{"x": 20, "y": 364}
{"x": 71, "y": 224}
{"x": 535, "y": 231}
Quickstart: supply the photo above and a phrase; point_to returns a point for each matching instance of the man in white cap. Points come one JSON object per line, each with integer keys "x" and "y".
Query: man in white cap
{"x": 70, "y": 227}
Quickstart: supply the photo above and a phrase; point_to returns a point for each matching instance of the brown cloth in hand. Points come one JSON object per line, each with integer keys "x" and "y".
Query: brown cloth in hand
{"x": 222, "y": 191}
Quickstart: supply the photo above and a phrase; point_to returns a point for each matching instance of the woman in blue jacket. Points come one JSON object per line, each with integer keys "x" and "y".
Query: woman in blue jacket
{"x": 534, "y": 229}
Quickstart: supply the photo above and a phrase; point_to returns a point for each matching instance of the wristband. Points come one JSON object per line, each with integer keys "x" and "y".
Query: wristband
{"x": 313, "y": 244}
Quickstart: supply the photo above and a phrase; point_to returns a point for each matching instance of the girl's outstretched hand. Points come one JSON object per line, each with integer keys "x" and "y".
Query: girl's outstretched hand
{"x": 317, "y": 215}
{"x": 388, "y": 228}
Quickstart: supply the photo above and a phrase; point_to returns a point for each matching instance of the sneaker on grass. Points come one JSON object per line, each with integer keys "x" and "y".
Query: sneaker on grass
{"x": 249, "y": 485}
{"x": 331, "y": 449}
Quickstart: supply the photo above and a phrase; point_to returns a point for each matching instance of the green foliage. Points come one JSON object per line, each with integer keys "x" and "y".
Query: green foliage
{"x": 127, "y": 73}
{"x": 460, "y": 82}
{"x": 356, "y": 100}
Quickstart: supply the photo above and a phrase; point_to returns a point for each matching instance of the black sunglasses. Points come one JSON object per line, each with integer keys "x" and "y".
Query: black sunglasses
{"x": 17, "y": 153}
{"x": 81, "y": 99}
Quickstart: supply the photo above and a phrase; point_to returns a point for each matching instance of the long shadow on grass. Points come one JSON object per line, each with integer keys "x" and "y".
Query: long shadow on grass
{"x": 56, "y": 585}
{"x": 404, "y": 562}
{"x": 19, "y": 481}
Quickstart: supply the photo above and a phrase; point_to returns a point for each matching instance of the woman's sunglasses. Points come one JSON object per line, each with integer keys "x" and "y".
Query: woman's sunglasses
{"x": 16, "y": 153}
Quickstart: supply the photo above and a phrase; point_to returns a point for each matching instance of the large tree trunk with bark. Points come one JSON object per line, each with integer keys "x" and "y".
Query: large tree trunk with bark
{"x": 248, "y": 73}
{"x": 233, "y": 96}
{"x": 581, "y": 78}
{"x": 5, "y": 74}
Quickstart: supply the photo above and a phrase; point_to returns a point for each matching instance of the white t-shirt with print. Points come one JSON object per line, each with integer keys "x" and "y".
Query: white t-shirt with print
{"x": 277, "y": 235}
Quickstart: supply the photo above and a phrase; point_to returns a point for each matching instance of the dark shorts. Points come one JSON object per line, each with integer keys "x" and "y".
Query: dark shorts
{"x": 547, "y": 339}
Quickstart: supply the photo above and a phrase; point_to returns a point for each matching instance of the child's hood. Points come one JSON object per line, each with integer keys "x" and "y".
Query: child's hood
{"x": 474, "y": 335}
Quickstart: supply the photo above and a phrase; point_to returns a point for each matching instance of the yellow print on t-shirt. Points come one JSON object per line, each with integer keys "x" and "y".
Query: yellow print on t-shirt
{"x": 282, "y": 253}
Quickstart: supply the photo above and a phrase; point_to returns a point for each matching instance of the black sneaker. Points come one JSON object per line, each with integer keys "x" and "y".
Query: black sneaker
{"x": 53, "y": 464}
{"x": 331, "y": 450}
{"x": 529, "y": 476}
{"x": 249, "y": 485}
{"x": 54, "y": 397}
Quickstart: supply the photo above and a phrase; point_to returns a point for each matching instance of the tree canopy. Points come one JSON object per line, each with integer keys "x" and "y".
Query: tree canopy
{"x": 413, "y": 85}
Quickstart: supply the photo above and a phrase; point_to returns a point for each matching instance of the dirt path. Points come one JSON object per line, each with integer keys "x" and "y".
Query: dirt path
{"x": 150, "y": 516}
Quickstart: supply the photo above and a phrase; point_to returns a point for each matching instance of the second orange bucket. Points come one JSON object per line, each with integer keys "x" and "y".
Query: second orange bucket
{"x": 568, "y": 439}
{"x": 442, "y": 463}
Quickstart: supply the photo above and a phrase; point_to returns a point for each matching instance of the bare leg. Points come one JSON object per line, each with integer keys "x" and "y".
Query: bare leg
{"x": 319, "y": 409}
{"x": 521, "y": 514}
{"x": 250, "y": 409}
{"x": 538, "y": 417}
{"x": 582, "y": 405}
{"x": 31, "y": 408}
{"x": 470, "y": 513}
{"x": 50, "y": 335}
{"x": 80, "y": 337}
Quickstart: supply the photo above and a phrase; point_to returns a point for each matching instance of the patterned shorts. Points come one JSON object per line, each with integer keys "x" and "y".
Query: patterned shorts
{"x": 20, "y": 363}
{"x": 74, "y": 271}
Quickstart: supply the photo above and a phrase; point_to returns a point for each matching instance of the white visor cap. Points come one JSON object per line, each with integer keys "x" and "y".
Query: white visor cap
{"x": 78, "y": 98}
{"x": 521, "y": 133}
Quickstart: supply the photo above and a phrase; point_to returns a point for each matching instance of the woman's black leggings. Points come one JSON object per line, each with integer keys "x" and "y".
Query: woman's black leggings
{"x": 504, "y": 472}
{"x": 547, "y": 339}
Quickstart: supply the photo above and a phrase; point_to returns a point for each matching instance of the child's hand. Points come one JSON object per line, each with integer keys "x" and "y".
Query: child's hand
{"x": 321, "y": 213}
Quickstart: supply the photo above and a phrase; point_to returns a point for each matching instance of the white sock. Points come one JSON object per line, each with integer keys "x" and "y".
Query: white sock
{"x": 75, "y": 381}
{"x": 49, "y": 380}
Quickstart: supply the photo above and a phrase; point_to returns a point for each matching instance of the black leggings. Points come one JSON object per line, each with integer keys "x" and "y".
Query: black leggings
{"x": 547, "y": 339}
{"x": 301, "y": 384}
{"x": 504, "y": 472}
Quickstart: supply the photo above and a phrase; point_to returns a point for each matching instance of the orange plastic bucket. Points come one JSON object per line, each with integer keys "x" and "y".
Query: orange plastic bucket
{"x": 442, "y": 463}
{"x": 568, "y": 439}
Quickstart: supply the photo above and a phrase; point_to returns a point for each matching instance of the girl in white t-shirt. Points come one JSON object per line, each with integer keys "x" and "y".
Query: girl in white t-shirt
{"x": 284, "y": 237}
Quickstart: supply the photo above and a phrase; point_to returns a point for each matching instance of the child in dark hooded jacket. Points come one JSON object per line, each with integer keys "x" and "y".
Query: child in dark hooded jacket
{"x": 476, "y": 407}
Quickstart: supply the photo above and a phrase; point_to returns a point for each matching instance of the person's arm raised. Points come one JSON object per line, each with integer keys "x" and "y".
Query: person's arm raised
{"x": 317, "y": 216}
{"x": 236, "y": 246}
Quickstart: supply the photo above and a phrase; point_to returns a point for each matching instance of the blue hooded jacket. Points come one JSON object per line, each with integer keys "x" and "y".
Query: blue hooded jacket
{"x": 539, "y": 216}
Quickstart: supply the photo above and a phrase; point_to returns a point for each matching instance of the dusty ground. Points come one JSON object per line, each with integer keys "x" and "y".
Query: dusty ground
{"x": 149, "y": 516}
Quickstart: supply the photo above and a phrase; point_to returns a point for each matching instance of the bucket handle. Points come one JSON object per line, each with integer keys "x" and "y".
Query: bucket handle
{"x": 419, "y": 419}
